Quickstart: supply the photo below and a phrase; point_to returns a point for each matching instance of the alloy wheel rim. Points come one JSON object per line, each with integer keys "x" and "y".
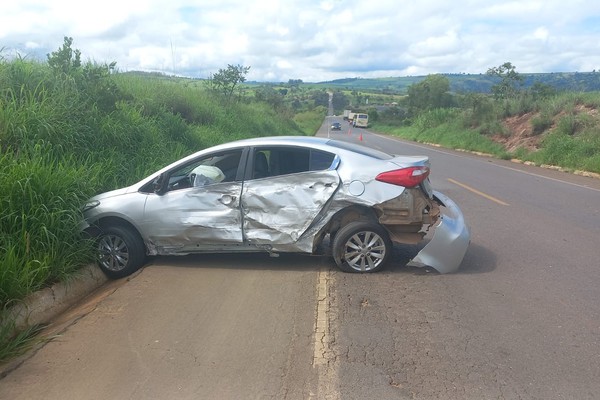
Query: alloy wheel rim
{"x": 364, "y": 251}
{"x": 113, "y": 252}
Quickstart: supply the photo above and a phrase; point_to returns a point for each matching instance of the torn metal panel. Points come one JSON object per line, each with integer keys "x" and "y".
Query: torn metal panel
{"x": 450, "y": 240}
{"x": 278, "y": 210}
{"x": 411, "y": 207}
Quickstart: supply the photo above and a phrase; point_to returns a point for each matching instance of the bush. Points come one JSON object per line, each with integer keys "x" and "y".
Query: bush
{"x": 436, "y": 117}
{"x": 569, "y": 151}
{"x": 541, "y": 123}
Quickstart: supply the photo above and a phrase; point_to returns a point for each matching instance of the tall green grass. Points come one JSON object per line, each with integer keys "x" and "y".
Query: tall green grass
{"x": 39, "y": 218}
{"x": 310, "y": 121}
{"x": 444, "y": 127}
{"x": 13, "y": 345}
{"x": 65, "y": 137}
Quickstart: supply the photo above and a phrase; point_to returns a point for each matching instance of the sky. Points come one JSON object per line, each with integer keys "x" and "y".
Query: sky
{"x": 314, "y": 41}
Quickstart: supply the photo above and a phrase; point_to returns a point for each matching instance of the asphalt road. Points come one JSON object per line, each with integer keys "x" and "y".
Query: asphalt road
{"x": 519, "y": 320}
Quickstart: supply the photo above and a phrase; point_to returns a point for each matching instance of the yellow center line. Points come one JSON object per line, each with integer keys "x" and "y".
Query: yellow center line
{"x": 487, "y": 196}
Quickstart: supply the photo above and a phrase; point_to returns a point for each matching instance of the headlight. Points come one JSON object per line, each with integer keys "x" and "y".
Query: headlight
{"x": 91, "y": 204}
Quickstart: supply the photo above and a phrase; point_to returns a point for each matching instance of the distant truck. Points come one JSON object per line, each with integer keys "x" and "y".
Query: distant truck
{"x": 346, "y": 114}
{"x": 351, "y": 117}
{"x": 361, "y": 120}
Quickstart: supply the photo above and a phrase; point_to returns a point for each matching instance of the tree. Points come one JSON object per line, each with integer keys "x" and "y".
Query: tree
{"x": 93, "y": 81}
{"x": 226, "y": 80}
{"x": 541, "y": 91}
{"x": 340, "y": 100}
{"x": 320, "y": 98}
{"x": 270, "y": 96}
{"x": 510, "y": 81}
{"x": 430, "y": 93}
{"x": 65, "y": 59}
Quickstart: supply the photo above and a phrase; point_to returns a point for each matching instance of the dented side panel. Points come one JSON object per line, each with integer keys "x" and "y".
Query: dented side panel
{"x": 278, "y": 211}
{"x": 193, "y": 219}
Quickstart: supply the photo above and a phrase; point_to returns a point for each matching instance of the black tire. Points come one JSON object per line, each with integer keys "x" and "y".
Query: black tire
{"x": 120, "y": 251}
{"x": 361, "y": 247}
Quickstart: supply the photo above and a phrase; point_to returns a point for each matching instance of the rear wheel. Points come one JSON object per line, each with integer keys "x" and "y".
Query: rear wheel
{"x": 120, "y": 251}
{"x": 361, "y": 247}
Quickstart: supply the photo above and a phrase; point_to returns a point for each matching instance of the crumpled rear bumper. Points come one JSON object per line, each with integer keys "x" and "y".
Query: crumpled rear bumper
{"x": 446, "y": 249}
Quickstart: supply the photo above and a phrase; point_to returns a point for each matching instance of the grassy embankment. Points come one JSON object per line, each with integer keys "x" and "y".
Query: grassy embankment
{"x": 562, "y": 130}
{"x": 67, "y": 136}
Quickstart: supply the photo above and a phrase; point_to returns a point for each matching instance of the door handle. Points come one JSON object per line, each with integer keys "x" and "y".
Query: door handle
{"x": 327, "y": 185}
{"x": 227, "y": 199}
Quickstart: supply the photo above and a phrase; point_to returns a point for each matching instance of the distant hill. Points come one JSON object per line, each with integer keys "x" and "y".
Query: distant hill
{"x": 459, "y": 83}
{"x": 473, "y": 83}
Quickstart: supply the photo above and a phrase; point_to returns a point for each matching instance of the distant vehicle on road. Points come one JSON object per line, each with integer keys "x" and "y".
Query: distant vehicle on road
{"x": 361, "y": 120}
{"x": 336, "y": 126}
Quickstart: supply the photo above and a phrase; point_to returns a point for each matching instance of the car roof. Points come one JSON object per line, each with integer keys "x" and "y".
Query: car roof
{"x": 319, "y": 143}
{"x": 283, "y": 140}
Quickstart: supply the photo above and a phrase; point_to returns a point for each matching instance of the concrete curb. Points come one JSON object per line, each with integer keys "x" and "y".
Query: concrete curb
{"x": 44, "y": 305}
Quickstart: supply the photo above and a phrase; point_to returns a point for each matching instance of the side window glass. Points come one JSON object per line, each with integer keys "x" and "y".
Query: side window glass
{"x": 320, "y": 160}
{"x": 260, "y": 165}
{"x": 208, "y": 170}
{"x": 289, "y": 160}
{"x": 276, "y": 161}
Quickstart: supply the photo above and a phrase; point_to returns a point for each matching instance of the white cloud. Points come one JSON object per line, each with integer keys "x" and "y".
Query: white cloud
{"x": 312, "y": 40}
{"x": 541, "y": 34}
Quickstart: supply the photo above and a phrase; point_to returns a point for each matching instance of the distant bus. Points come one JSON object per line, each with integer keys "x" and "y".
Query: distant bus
{"x": 361, "y": 120}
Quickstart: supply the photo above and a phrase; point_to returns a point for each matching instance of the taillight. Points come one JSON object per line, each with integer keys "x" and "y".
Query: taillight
{"x": 407, "y": 177}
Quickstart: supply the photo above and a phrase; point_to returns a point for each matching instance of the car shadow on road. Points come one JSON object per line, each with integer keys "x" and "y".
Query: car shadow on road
{"x": 247, "y": 261}
{"x": 477, "y": 260}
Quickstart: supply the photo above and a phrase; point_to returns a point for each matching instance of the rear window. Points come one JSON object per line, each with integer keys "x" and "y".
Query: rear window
{"x": 320, "y": 160}
{"x": 284, "y": 160}
{"x": 365, "y": 151}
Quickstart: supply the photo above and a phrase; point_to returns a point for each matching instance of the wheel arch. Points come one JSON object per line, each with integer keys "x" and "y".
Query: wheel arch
{"x": 350, "y": 214}
{"x": 96, "y": 228}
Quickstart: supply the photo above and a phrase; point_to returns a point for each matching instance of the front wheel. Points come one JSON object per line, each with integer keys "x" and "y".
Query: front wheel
{"x": 361, "y": 247}
{"x": 120, "y": 251}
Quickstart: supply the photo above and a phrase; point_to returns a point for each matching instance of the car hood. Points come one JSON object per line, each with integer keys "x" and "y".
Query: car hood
{"x": 113, "y": 193}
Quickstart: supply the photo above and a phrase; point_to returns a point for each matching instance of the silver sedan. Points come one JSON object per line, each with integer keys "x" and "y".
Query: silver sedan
{"x": 280, "y": 194}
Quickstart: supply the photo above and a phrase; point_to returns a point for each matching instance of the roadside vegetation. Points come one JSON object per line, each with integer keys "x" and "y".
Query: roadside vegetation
{"x": 537, "y": 124}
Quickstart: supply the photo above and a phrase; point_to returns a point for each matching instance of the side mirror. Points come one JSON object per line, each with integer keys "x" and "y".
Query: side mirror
{"x": 159, "y": 185}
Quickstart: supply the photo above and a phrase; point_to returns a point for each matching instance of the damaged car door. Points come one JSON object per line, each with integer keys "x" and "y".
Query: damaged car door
{"x": 197, "y": 206}
{"x": 286, "y": 192}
